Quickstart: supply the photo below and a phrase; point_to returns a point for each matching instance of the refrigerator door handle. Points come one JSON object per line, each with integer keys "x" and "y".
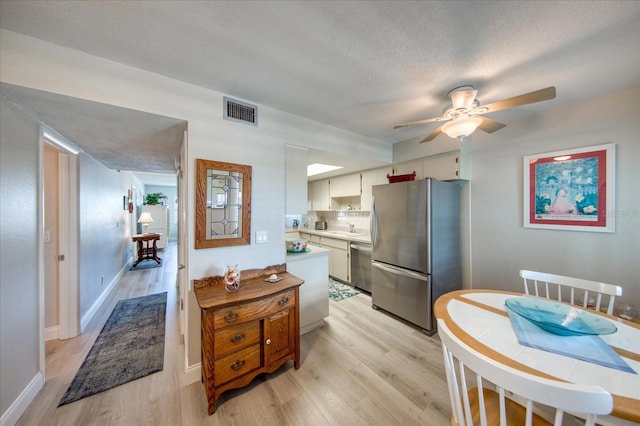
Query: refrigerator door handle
{"x": 373, "y": 223}
{"x": 399, "y": 271}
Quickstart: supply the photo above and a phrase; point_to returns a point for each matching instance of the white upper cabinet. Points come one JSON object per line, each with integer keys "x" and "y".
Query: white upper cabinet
{"x": 408, "y": 167}
{"x": 368, "y": 180}
{"x": 340, "y": 192}
{"x": 321, "y": 200}
{"x": 450, "y": 166}
{"x": 381, "y": 174}
{"x": 295, "y": 180}
{"x": 345, "y": 186}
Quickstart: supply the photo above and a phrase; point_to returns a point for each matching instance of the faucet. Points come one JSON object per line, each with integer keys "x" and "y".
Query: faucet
{"x": 352, "y": 227}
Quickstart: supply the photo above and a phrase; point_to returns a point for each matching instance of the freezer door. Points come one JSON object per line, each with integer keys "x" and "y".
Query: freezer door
{"x": 406, "y": 294}
{"x": 399, "y": 223}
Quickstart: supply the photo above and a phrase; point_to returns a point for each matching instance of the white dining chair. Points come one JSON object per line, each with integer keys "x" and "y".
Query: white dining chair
{"x": 500, "y": 385}
{"x": 547, "y": 285}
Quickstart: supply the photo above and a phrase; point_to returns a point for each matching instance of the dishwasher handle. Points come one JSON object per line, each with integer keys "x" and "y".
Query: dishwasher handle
{"x": 361, "y": 247}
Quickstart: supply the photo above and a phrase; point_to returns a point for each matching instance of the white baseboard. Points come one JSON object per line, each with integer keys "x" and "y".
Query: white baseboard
{"x": 103, "y": 296}
{"x": 19, "y": 406}
{"x": 51, "y": 333}
{"x": 192, "y": 374}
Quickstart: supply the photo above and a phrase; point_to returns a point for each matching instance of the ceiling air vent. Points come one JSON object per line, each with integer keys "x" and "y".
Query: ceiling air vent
{"x": 240, "y": 111}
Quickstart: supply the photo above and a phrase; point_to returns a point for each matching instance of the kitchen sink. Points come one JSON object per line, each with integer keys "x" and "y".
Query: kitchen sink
{"x": 345, "y": 234}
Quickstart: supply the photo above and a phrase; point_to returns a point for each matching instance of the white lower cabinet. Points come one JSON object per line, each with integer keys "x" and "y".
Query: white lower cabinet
{"x": 338, "y": 258}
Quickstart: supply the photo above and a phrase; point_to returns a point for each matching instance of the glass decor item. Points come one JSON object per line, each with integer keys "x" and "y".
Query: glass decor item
{"x": 232, "y": 278}
{"x": 559, "y": 318}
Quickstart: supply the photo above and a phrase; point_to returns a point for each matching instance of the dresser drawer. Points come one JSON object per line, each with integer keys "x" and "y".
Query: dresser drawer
{"x": 234, "y": 338}
{"x": 235, "y": 365}
{"x": 239, "y": 314}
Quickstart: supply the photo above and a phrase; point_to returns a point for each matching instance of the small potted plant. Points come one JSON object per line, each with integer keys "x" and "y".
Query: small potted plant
{"x": 154, "y": 198}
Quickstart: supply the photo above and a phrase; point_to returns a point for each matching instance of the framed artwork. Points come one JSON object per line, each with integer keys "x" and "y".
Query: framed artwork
{"x": 571, "y": 190}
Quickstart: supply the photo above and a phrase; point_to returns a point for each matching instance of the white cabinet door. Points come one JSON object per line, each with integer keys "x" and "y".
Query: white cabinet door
{"x": 381, "y": 174}
{"x": 339, "y": 264}
{"x": 409, "y": 167}
{"x": 321, "y": 198}
{"x": 368, "y": 180}
{"x": 450, "y": 166}
{"x": 345, "y": 186}
{"x": 339, "y": 257}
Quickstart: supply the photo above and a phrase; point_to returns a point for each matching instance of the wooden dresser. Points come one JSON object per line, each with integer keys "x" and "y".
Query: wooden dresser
{"x": 253, "y": 330}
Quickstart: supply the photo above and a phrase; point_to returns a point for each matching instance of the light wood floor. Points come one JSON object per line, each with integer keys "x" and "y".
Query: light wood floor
{"x": 362, "y": 368}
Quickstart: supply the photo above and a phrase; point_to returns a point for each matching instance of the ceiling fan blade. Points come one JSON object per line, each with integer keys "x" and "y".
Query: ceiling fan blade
{"x": 527, "y": 98}
{"x": 488, "y": 125}
{"x": 416, "y": 123}
{"x": 431, "y": 136}
{"x": 463, "y": 98}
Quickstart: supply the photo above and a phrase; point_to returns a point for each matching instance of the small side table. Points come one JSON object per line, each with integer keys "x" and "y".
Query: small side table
{"x": 147, "y": 247}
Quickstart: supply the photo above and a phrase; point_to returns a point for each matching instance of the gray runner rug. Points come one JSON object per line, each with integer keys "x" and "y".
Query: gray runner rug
{"x": 130, "y": 346}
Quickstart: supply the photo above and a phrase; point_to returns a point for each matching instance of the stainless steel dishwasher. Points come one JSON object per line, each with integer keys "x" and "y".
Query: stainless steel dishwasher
{"x": 361, "y": 266}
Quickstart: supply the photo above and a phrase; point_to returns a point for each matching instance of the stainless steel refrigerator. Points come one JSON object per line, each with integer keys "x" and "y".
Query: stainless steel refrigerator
{"x": 415, "y": 235}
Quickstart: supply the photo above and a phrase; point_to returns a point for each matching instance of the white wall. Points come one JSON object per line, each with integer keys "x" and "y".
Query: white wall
{"x": 104, "y": 229}
{"x": 499, "y": 244}
{"x": 32, "y": 63}
{"x": 20, "y": 255}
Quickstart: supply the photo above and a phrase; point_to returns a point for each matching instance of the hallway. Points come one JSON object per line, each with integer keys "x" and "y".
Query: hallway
{"x": 122, "y": 405}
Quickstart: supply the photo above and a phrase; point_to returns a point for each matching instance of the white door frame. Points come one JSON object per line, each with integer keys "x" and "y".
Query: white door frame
{"x": 182, "y": 237}
{"x": 68, "y": 223}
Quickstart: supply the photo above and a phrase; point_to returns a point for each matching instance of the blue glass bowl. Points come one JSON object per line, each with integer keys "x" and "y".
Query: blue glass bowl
{"x": 559, "y": 318}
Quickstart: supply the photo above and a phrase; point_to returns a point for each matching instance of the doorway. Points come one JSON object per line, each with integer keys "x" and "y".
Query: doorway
{"x": 61, "y": 310}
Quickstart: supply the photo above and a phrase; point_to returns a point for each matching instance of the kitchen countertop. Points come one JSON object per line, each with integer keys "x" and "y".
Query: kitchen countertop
{"x": 360, "y": 237}
{"x": 315, "y": 251}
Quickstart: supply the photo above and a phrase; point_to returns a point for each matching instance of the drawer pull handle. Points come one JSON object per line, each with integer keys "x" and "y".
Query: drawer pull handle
{"x": 238, "y": 365}
{"x": 268, "y": 342}
{"x": 283, "y": 301}
{"x": 237, "y": 338}
{"x": 230, "y": 317}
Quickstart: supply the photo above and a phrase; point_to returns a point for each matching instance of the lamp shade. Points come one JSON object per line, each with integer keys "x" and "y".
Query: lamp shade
{"x": 461, "y": 127}
{"x": 145, "y": 217}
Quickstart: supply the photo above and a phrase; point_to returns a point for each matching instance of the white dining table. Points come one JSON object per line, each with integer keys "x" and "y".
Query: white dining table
{"x": 480, "y": 319}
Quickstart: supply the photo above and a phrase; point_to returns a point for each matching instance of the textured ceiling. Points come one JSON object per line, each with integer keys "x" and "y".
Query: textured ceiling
{"x": 120, "y": 138}
{"x": 362, "y": 66}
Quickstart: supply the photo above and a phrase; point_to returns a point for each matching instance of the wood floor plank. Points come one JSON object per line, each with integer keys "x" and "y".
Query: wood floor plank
{"x": 364, "y": 367}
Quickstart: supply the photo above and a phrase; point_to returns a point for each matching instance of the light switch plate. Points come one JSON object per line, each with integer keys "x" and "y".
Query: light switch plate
{"x": 262, "y": 237}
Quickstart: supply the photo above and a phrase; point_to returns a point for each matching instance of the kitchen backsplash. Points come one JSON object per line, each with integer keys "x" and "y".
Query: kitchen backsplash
{"x": 335, "y": 220}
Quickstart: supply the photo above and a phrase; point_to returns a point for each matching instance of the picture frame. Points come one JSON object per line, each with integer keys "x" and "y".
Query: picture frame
{"x": 571, "y": 190}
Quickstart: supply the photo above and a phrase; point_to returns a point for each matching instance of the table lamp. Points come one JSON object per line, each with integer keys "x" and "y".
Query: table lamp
{"x": 145, "y": 218}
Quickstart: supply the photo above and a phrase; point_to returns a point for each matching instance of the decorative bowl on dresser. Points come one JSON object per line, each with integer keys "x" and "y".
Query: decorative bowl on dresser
{"x": 247, "y": 332}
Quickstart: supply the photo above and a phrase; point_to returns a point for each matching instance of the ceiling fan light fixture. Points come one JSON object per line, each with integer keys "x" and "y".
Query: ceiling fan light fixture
{"x": 461, "y": 127}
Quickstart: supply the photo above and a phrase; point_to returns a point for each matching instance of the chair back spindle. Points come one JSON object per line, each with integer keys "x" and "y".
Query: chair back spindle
{"x": 551, "y": 283}
{"x": 492, "y": 401}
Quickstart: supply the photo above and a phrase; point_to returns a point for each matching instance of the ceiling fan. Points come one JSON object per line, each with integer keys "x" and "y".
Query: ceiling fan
{"x": 464, "y": 115}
